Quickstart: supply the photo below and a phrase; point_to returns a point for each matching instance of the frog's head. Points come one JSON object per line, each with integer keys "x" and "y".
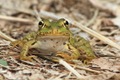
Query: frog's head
{"x": 54, "y": 28}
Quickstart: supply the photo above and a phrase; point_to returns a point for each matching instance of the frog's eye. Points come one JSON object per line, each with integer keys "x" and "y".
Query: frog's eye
{"x": 66, "y": 22}
{"x": 40, "y": 23}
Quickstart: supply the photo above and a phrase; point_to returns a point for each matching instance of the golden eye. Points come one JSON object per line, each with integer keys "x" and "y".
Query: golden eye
{"x": 66, "y": 23}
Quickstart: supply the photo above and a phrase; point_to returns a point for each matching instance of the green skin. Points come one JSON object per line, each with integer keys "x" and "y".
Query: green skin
{"x": 54, "y": 38}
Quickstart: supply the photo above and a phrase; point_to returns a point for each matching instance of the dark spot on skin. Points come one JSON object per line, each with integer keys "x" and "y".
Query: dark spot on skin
{"x": 69, "y": 47}
{"x": 51, "y": 39}
{"x": 33, "y": 43}
{"x": 64, "y": 43}
{"x": 78, "y": 40}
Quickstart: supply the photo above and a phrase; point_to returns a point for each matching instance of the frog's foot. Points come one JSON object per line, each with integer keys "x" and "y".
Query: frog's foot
{"x": 65, "y": 56}
{"x": 27, "y": 58}
{"x": 87, "y": 60}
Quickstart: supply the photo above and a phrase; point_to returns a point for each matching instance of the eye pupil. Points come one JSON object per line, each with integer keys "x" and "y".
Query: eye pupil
{"x": 66, "y": 23}
{"x": 40, "y": 23}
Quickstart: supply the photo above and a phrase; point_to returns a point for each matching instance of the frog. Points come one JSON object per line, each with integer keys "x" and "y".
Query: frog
{"x": 55, "y": 40}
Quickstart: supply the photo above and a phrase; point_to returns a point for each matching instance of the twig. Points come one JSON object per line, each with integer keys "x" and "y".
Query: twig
{"x": 97, "y": 35}
{"x": 6, "y": 37}
{"x": 84, "y": 28}
{"x": 8, "y": 55}
{"x": 87, "y": 69}
{"x": 93, "y": 18}
{"x": 66, "y": 65}
{"x": 7, "y": 67}
{"x": 9, "y": 18}
{"x": 115, "y": 9}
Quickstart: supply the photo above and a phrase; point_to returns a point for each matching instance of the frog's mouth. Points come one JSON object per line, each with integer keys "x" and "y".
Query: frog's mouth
{"x": 48, "y": 35}
{"x": 51, "y": 34}
{"x": 54, "y": 37}
{"x": 54, "y": 32}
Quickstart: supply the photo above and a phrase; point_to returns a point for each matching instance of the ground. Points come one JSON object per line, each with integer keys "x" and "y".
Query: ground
{"x": 19, "y": 17}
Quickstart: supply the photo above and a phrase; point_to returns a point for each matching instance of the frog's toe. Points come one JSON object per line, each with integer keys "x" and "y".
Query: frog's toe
{"x": 66, "y": 56}
{"x": 55, "y": 59}
{"x": 63, "y": 55}
{"x": 85, "y": 61}
{"x": 27, "y": 58}
{"x": 60, "y": 55}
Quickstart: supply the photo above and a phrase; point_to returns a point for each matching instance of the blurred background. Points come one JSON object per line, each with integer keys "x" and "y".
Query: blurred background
{"x": 19, "y": 17}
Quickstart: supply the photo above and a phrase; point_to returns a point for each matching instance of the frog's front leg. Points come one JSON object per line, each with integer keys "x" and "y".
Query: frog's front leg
{"x": 25, "y": 44}
{"x": 25, "y": 48}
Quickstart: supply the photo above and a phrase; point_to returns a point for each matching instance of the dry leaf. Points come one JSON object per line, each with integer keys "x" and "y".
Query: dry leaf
{"x": 107, "y": 64}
